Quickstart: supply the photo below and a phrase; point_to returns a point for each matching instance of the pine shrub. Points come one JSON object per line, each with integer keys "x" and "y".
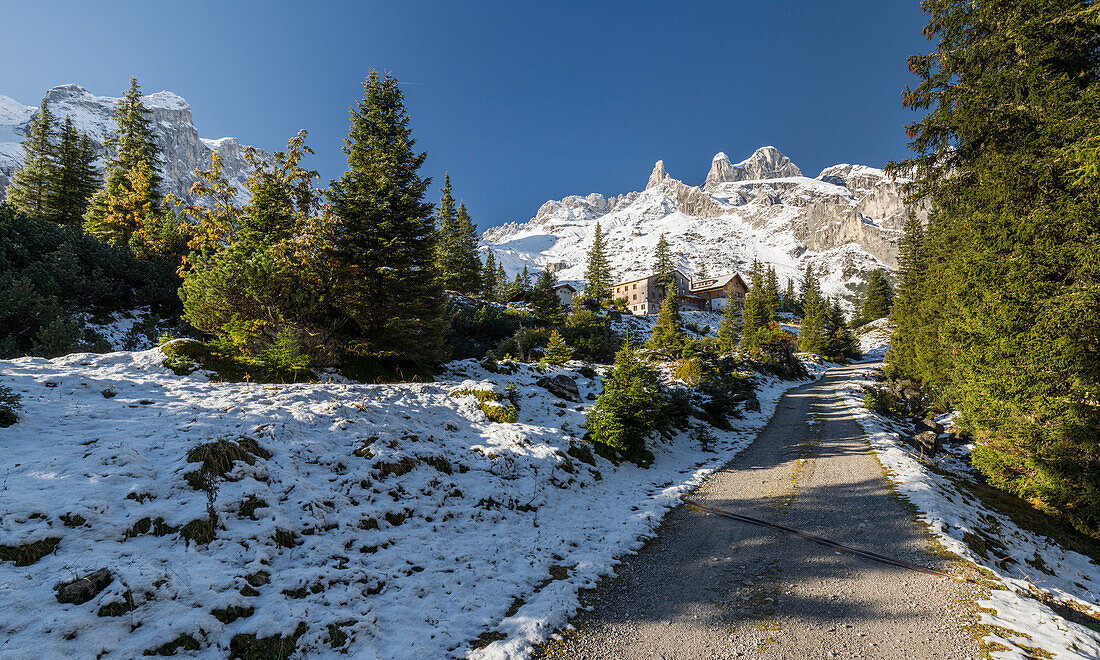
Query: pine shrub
{"x": 630, "y": 408}
{"x": 557, "y": 351}
{"x": 10, "y": 405}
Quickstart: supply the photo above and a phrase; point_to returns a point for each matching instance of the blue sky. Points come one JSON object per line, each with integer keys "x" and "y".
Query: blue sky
{"x": 520, "y": 101}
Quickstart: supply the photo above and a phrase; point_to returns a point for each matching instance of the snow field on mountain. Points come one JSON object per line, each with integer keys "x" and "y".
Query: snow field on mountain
{"x": 393, "y": 521}
{"x": 1020, "y": 561}
{"x": 746, "y": 220}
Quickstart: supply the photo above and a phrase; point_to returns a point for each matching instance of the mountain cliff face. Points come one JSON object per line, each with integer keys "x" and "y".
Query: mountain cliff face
{"x": 845, "y": 222}
{"x": 182, "y": 150}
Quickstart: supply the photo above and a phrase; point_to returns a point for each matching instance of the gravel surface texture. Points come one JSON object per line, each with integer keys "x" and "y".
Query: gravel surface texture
{"x": 709, "y": 587}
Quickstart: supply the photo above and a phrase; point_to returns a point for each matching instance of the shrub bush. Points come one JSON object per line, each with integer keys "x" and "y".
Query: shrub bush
{"x": 590, "y": 335}
{"x": 473, "y": 331}
{"x": 10, "y": 405}
{"x": 52, "y": 274}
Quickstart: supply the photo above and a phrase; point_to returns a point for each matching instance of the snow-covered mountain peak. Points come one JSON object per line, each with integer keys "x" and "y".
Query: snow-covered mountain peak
{"x": 765, "y": 163}
{"x": 844, "y": 222}
{"x": 182, "y": 149}
{"x": 657, "y": 176}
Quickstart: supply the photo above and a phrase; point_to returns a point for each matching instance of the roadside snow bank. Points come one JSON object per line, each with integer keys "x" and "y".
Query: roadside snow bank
{"x": 385, "y": 521}
{"x": 1021, "y": 561}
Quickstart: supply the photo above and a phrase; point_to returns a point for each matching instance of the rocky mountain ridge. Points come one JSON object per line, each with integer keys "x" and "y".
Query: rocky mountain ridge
{"x": 182, "y": 150}
{"x": 845, "y": 221}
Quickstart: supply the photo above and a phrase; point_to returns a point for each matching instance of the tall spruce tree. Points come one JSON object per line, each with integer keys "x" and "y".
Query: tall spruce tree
{"x": 383, "y": 258}
{"x": 771, "y": 293}
{"x": 132, "y": 143}
{"x": 668, "y": 336}
{"x": 444, "y": 227}
{"x": 808, "y": 276}
{"x": 457, "y": 263}
{"x": 840, "y": 340}
{"x": 729, "y": 330}
{"x": 756, "y": 316}
{"x": 76, "y": 178}
{"x": 31, "y": 189}
{"x": 664, "y": 265}
{"x": 814, "y": 334}
{"x": 490, "y": 287}
{"x": 467, "y": 264}
{"x": 1007, "y": 152}
{"x": 905, "y": 315}
{"x": 597, "y": 274}
{"x": 790, "y": 298}
{"x": 879, "y": 297}
{"x": 502, "y": 282}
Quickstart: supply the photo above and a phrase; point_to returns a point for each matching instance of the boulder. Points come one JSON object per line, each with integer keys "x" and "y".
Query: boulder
{"x": 83, "y": 589}
{"x": 561, "y": 386}
{"x": 929, "y": 424}
{"x": 926, "y": 441}
{"x": 752, "y": 404}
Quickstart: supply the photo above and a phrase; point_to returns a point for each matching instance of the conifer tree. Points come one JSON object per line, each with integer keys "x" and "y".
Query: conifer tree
{"x": 771, "y": 294}
{"x": 840, "y": 342}
{"x": 729, "y": 330}
{"x": 813, "y": 336}
{"x": 878, "y": 299}
{"x": 756, "y": 316}
{"x": 630, "y": 408}
{"x": 457, "y": 263}
{"x": 1005, "y": 328}
{"x": 543, "y": 301}
{"x": 514, "y": 288}
{"x": 384, "y": 257}
{"x": 664, "y": 265}
{"x": 490, "y": 289}
{"x": 668, "y": 336}
{"x": 525, "y": 279}
{"x": 790, "y": 298}
{"x": 468, "y": 264}
{"x": 905, "y": 315}
{"x": 701, "y": 272}
{"x": 31, "y": 189}
{"x": 75, "y": 179}
{"x": 444, "y": 227}
{"x": 131, "y": 143}
{"x": 807, "y": 277}
{"x": 597, "y": 274}
{"x": 557, "y": 351}
{"x": 502, "y": 283}
{"x": 264, "y": 285}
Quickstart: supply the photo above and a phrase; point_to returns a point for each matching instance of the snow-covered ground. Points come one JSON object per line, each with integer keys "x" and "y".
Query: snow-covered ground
{"x": 121, "y": 329}
{"x": 1022, "y": 563}
{"x": 394, "y": 521}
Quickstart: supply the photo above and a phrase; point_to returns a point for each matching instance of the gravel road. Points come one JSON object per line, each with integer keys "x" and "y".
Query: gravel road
{"x": 708, "y": 587}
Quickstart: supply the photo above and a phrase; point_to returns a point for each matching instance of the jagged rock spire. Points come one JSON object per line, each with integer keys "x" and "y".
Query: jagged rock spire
{"x": 658, "y": 175}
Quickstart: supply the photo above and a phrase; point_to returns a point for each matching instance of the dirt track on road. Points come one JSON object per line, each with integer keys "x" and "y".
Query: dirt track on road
{"x": 707, "y": 587}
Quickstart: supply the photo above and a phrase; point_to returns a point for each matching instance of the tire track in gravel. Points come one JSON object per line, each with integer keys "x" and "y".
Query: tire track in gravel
{"x": 706, "y": 587}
